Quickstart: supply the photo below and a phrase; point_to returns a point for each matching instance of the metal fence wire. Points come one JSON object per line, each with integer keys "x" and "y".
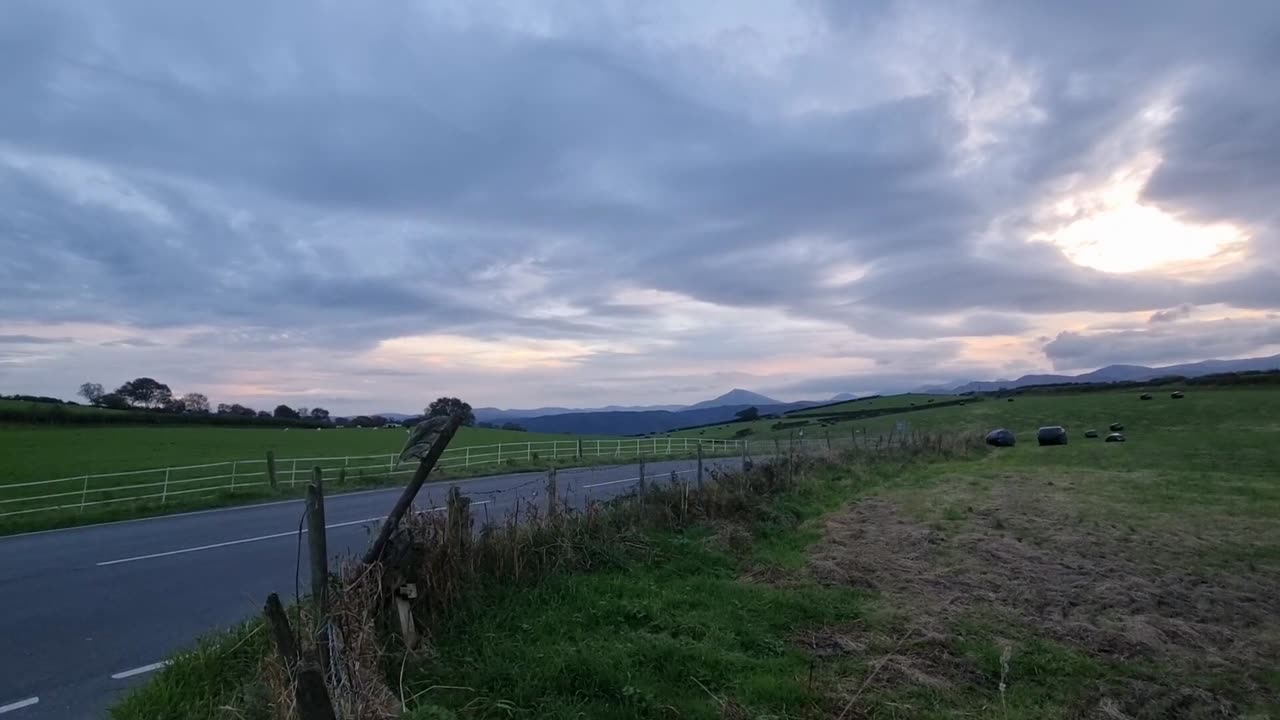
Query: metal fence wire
{"x": 160, "y": 484}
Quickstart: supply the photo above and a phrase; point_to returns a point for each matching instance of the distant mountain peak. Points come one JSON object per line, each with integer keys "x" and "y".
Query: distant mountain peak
{"x": 736, "y": 396}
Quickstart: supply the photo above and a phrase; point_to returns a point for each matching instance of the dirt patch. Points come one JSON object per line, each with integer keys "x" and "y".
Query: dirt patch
{"x": 1100, "y": 587}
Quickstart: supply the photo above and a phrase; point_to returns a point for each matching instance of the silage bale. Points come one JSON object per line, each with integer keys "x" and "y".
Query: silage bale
{"x": 1052, "y": 435}
{"x": 1001, "y": 437}
{"x": 1176, "y": 395}
{"x": 1091, "y": 433}
{"x": 1115, "y": 427}
{"x": 1116, "y": 437}
{"x": 1145, "y": 396}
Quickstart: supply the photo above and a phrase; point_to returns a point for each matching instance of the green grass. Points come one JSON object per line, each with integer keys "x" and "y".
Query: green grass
{"x": 691, "y": 620}
{"x": 881, "y": 402}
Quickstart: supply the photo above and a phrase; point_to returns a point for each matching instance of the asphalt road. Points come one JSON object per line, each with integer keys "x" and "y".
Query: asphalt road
{"x": 86, "y": 613}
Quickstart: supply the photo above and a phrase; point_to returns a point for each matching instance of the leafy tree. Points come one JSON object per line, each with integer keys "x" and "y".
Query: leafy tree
{"x": 195, "y": 402}
{"x": 303, "y": 412}
{"x": 513, "y": 426}
{"x": 224, "y": 409}
{"x": 145, "y": 391}
{"x": 174, "y": 405}
{"x": 92, "y": 392}
{"x": 377, "y": 421}
{"x": 447, "y": 406}
{"x": 113, "y": 401}
{"x": 319, "y": 414}
{"x": 749, "y": 414}
{"x": 262, "y": 414}
{"x": 284, "y": 412}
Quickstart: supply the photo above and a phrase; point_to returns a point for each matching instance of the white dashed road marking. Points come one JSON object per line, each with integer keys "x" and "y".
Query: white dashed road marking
{"x": 18, "y": 705}
{"x": 140, "y": 670}
{"x": 242, "y": 541}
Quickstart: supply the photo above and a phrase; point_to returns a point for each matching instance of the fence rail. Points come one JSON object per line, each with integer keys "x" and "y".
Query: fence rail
{"x": 228, "y": 477}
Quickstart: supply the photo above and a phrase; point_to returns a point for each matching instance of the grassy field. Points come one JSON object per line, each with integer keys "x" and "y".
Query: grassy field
{"x": 880, "y": 402}
{"x": 1137, "y": 580}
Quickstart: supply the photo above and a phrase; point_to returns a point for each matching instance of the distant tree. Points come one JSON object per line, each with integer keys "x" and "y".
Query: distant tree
{"x": 447, "y": 406}
{"x": 174, "y": 405}
{"x": 195, "y": 402}
{"x": 224, "y": 409}
{"x": 749, "y": 414}
{"x": 284, "y": 412}
{"x": 513, "y": 426}
{"x": 319, "y": 414}
{"x": 113, "y": 401}
{"x": 303, "y": 412}
{"x": 487, "y": 425}
{"x": 361, "y": 421}
{"x": 92, "y": 392}
{"x": 145, "y": 391}
{"x": 262, "y": 414}
{"x": 377, "y": 421}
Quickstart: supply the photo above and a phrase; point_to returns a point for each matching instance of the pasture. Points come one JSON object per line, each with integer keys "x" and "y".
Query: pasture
{"x": 1125, "y": 581}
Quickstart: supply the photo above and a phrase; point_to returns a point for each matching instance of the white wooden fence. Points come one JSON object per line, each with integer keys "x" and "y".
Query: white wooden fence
{"x": 160, "y": 484}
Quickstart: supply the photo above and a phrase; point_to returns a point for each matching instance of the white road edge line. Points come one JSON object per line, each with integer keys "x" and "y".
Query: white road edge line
{"x": 18, "y": 705}
{"x": 140, "y": 670}
{"x": 260, "y": 538}
{"x": 655, "y": 476}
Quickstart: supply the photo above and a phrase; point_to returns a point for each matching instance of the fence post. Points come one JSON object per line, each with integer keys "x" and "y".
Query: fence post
{"x": 293, "y": 473}
{"x": 467, "y": 462}
{"x": 528, "y": 451}
{"x": 746, "y": 461}
{"x": 791, "y": 458}
{"x": 391, "y": 465}
{"x": 699, "y": 466}
{"x": 499, "y": 453}
{"x": 164, "y": 494}
{"x": 579, "y": 449}
{"x": 828, "y": 434}
{"x": 318, "y": 546}
{"x": 84, "y": 493}
{"x": 235, "y": 466}
{"x": 552, "y": 507}
{"x": 271, "y": 468}
{"x": 642, "y": 483}
{"x": 675, "y": 479}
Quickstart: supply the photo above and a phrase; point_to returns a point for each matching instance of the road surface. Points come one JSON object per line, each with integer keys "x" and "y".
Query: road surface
{"x": 86, "y": 613}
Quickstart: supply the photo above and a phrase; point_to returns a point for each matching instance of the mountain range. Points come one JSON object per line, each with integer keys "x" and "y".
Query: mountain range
{"x": 1115, "y": 373}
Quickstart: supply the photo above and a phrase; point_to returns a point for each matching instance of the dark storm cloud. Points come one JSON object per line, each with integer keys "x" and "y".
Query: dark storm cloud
{"x": 330, "y": 176}
{"x": 1163, "y": 344}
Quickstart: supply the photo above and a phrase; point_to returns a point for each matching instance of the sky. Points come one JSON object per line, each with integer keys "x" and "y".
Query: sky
{"x": 366, "y": 206}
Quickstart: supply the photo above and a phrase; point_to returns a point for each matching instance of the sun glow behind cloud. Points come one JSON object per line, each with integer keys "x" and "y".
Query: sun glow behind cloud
{"x": 1109, "y": 228}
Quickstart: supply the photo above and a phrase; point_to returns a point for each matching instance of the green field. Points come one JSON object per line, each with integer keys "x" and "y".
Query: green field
{"x": 881, "y": 402}
{"x": 1137, "y": 580}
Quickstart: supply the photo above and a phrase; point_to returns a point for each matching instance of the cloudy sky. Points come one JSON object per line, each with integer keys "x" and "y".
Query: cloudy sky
{"x": 364, "y": 206}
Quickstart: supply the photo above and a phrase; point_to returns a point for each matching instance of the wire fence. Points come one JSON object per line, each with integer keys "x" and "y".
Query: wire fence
{"x": 161, "y": 485}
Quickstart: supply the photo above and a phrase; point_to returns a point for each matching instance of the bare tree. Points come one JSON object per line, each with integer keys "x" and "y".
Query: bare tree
{"x": 93, "y": 392}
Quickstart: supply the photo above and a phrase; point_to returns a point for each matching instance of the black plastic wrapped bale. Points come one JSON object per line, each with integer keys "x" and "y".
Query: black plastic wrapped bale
{"x": 1091, "y": 433}
{"x": 1116, "y": 437}
{"x": 1001, "y": 438}
{"x": 1115, "y": 427}
{"x": 1052, "y": 435}
{"x": 1176, "y": 395}
{"x": 1145, "y": 396}
{"x": 1010, "y": 399}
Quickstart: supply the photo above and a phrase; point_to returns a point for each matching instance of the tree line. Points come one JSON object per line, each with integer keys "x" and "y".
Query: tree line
{"x": 149, "y": 394}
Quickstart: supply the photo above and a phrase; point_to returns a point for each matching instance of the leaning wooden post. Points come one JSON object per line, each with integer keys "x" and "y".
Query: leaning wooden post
{"x": 426, "y": 443}
{"x": 553, "y": 508}
{"x": 699, "y": 465}
{"x": 310, "y": 693}
{"x": 271, "y": 468}
{"x": 318, "y": 546}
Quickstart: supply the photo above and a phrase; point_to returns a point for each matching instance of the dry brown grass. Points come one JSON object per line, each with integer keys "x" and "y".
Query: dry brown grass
{"x": 1022, "y": 553}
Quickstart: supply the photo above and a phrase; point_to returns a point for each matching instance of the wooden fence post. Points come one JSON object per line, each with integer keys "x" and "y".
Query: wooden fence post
{"x": 828, "y": 435}
{"x": 699, "y": 465}
{"x": 310, "y": 693}
{"x": 458, "y": 530}
{"x": 791, "y": 458}
{"x": 642, "y": 487}
{"x": 553, "y": 508}
{"x": 164, "y": 493}
{"x": 235, "y": 468}
{"x": 675, "y": 479}
{"x": 318, "y": 546}
{"x": 444, "y": 432}
{"x": 580, "y": 449}
{"x": 271, "y": 468}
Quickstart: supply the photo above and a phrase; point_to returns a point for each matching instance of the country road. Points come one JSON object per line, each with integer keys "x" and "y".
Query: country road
{"x": 86, "y": 613}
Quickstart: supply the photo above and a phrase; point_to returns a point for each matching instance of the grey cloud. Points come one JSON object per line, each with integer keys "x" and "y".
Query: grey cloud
{"x": 33, "y": 340}
{"x": 1170, "y": 315}
{"x": 133, "y": 342}
{"x": 1162, "y": 344}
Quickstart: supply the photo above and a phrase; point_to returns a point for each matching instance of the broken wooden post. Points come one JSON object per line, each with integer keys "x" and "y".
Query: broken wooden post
{"x": 271, "y": 468}
{"x": 699, "y": 465}
{"x": 318, "y": 546}
{"x": 426, "y": 443}
{"x": 458, "y": 529}
{"x": 404, "y": 614}
{"x": 310, "y": 693}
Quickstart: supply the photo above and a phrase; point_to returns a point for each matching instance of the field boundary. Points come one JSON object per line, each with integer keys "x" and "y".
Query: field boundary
{"x": 90, "y": 490}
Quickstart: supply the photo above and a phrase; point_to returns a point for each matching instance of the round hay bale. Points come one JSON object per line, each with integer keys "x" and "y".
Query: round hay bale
{"x": 1052, "y": 435}
{"x": 1115, "y": 437}
{"x": 1091, "y": 433}
{"x": 1145, "y": 396}
{"x": 1176, "y": 395}
{"x": 1001, "y": 437}
{"x": 1115, "y": 427}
